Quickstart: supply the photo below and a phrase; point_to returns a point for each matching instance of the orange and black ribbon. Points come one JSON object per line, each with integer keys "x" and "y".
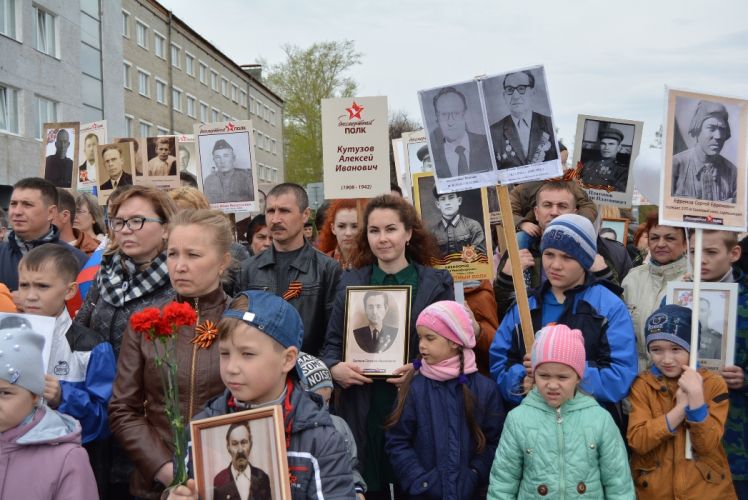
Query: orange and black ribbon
{"x": 294, "y": 290}
{"x": 205, "y": 334}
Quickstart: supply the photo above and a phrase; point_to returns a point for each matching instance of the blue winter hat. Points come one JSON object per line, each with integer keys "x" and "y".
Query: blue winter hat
{"x": 574, "y": 235}
{"x": 672, "y": 323}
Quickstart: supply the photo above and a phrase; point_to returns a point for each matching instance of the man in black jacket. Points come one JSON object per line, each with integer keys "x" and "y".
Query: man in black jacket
{"x": 291, "y": 267}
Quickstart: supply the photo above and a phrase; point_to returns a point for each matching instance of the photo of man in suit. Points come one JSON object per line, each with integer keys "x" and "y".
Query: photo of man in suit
{"x": 114, "y": 166}
{"x": 456, "y": 150}
{"x": 240, "y": 480}
{"x": 58, "y": 168}
{"x": 524, "y": 136}
{"x": 89, "y": 164}
{"x": 375, "y": 336}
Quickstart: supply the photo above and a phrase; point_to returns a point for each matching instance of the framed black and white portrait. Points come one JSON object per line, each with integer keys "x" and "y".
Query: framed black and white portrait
{"x": 60, "y": 153}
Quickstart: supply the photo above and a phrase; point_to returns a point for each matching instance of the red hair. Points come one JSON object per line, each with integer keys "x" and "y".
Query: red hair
{"x": 327, "y": 242}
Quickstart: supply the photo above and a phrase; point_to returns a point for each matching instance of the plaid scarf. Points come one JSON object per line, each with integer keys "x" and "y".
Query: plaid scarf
{"x": 120, "y": 281}
{"x": 26, "y": 246}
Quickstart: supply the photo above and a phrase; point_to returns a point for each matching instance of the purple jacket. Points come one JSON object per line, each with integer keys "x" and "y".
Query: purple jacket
{"x": 43, "y": 459}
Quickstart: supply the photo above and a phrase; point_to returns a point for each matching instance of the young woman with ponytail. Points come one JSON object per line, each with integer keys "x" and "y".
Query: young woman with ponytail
{"x": 442, "y": 436}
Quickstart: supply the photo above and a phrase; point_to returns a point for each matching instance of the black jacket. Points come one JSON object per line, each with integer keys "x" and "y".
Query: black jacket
{"x": 319, "y": 276}
{"x": 10, "y": 256}
{"x": 353, "y": 405}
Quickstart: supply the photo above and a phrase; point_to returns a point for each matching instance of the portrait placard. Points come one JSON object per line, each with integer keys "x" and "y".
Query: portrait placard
{"x": 160, "y": 168}
{"x": 417, "y": 155}
{"x": 458, "y": 146}
{"x": 614, "y": 229}
{"x": 521, "y": 128}
{"x": 377, "y": 328}
{"x": 704, "y": 182}
{"x": 228, "y": 173}
{"x": 718, "y": 309}
{"x": 604, "y": 155}
{"x": 91, "y": 135}
{"x": 252, "y": 439}
{"x": 398, "y": 155}
{"x": 461, "y": 223}
{"x": 140, "y": 158}
{"x": 43, "y": 325}
{"x": 355, "y": 147}
{"x": 187, "y": 157}
{"x": 114, "y": 167}
{"x": 60, "y": 153}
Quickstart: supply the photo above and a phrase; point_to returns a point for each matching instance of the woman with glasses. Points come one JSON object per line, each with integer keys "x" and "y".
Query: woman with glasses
{"x": 89, "y": 217}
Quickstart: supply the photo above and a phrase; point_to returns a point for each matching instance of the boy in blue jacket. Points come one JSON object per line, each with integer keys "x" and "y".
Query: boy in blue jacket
{"x": 571, "y": 296}
{"x": 81, "y": 365}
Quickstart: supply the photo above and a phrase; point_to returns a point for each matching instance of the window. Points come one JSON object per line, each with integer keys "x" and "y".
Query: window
{"x": 214, "y": 80}
{"x": 272, "y": 117}
{"x": 162, "y": 131}
{"x": 128, "y": 75}
{"x": 275, "y": 150}
{"x": 145, "y": 129}
{"x": 260, "y": 171}
{"x": 141, "y": 34}
{"x": 46, "y": 112}
{"x": 176, "y": 51}
{"x": 203, "y": 112}
{"x": 45, "y": 27}
{"x": 243, "y": 98}
{"x": 234, "y": 93}
{"x": 265, "y": 113}
{"x": 191, "y": 106}
{"x": 128, "y": 125}
{"x": 275, "y": 175}
{"x": 251, "y": 104}
{"x": 8, "y": 18}
{"x": 224, "y": 87}
{"x": 215, "y": 115}
{"x": 189, "y": 63}
{"x": 176, "y": 99}
{"x": 125, "y": 24}
{"x": 226, "y": 118}
{"x": 258, "y": 111}
{"x": 203, "y": 73}
{"x": 160, "y": 91}
{"x": 8, "y": 109}
{"x": 259, "y": 140}
{"x": 144, "y": 83}
{"x": 159, "y": 45}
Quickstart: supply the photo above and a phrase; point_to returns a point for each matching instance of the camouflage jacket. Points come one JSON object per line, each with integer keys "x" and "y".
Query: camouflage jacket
{"x": 736, "y": 428}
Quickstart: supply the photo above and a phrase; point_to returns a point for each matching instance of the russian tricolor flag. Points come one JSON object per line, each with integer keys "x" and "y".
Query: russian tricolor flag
{"x": 85, "y": 279}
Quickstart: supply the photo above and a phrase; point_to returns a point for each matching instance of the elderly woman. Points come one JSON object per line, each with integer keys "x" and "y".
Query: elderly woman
{"x": 644, "y": 286}
{"x": 197, "y": 257}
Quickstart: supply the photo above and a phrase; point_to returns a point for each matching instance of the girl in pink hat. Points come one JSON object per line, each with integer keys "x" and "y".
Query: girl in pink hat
{"x": 442, "y": 435}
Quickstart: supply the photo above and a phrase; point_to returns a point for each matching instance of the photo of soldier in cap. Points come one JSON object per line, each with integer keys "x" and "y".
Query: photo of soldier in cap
{"x": 606, "y": 155}
{"x": 702, "y": 166}
{"x": 424, "y": 156}
{"x": 226, "y": 175}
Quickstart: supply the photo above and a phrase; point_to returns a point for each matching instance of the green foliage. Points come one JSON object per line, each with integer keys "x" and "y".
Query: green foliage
{"x": 303, "y": 80}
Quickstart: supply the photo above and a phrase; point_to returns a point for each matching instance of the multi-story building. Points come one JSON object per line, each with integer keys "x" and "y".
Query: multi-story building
{"x": 173, "y": 78}
{"x": 59, "y": 61}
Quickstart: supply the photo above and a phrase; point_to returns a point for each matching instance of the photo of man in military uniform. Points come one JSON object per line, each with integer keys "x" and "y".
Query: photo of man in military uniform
{"x": 608, "y": 169}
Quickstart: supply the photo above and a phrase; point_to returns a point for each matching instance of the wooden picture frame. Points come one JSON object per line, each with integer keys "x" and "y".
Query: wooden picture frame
{"x": 619, "y": 226}
{"x": 60, "y": 170}
{"x": 213, "y": 438}
{"x": 714, "y": 352}
{"x": 378, "y": 353}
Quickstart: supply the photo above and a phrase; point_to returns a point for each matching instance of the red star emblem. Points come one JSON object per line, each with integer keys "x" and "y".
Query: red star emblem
{"x": 709, "y": 218}
{"x": 230, "y": 127}
{"x": 354, "y": 111}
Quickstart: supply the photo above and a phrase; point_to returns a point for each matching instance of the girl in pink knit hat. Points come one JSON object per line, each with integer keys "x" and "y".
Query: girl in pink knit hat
{"x": 559, "y": 442}
{"x": 442, "y": 435}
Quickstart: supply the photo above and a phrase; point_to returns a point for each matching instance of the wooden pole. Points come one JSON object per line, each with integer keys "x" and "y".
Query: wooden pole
{"x": 523, "y": 305}
{"x": 695, "y": 300}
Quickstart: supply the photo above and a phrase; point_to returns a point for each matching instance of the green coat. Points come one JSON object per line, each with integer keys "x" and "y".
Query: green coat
{"x": 575, "y": 451}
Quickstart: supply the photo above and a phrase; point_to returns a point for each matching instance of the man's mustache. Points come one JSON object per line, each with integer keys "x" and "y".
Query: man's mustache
{"x": 240, "y": 454}
{"x": 277, "y": 227}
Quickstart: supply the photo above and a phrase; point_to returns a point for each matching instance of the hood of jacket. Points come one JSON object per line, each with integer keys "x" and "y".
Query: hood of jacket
{"x": 46, "y": 427}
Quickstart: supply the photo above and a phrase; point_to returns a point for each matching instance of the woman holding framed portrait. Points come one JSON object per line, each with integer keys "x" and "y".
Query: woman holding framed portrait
{"x": 393, "y": 248}
{"x": 197, "y": 256}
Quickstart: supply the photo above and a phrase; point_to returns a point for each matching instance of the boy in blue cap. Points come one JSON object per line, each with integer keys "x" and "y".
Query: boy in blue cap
{"x": 259, "y": 340}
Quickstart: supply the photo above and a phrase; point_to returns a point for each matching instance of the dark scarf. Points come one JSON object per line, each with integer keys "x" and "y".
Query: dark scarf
{"x": 120, "y": 281}
{"x": 26, "y": 246}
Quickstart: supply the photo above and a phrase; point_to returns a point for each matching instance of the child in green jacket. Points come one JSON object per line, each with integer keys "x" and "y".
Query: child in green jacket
{"x": 559, "y": 442}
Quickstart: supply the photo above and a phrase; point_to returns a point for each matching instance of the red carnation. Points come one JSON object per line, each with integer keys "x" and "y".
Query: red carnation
{"x": 148, "y": 321}
{"x": 178, "y": 314}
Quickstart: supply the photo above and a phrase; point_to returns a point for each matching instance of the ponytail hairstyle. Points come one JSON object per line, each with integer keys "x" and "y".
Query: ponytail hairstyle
{"x": 467, "y": 396}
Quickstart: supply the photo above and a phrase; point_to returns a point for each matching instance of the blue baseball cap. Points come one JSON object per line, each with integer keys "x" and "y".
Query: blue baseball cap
{"x": 271, "y": 315}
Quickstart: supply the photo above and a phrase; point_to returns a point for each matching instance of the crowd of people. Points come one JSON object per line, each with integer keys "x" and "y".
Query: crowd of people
{"x": 604, "y": 404}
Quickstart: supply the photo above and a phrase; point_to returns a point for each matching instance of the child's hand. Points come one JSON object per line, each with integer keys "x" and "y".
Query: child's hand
{"x": 347, "y": 374}
{"x": 681, "y": 398}
{"x": 401, "y": 373}
{"x": 184, "y": 492}
{"x": 527, "y": 384}
{"x": 531, "y": 229}
{"x": 734, "y": 377}
{"x": 691, "y": 383}
{"x": 52, "y": 391}
{"x": 527, "y": 363}
{"x": 525, "y": 259}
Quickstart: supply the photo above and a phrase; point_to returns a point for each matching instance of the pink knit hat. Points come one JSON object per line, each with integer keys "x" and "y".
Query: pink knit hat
{"x": 451, "y": 320}
{"x": 559, "y": 344}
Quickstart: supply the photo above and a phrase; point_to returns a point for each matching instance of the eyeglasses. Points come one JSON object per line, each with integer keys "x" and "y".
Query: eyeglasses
{"x": 134, "y": 223}
{"x": 519, "y": 88}
{"x": 452, "y": 115}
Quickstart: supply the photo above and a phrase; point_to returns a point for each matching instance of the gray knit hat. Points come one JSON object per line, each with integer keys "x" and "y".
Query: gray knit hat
{"x": 21, "y": 360}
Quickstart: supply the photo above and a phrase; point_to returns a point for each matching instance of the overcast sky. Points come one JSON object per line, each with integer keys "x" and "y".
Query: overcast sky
{"x": 601, "y": 57}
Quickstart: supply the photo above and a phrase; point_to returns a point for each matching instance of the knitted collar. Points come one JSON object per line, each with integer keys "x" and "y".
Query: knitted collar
{"x": 120, "y": 281}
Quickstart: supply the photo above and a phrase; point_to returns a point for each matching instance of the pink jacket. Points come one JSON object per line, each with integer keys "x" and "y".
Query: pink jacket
{"x": 43, "y": 460}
